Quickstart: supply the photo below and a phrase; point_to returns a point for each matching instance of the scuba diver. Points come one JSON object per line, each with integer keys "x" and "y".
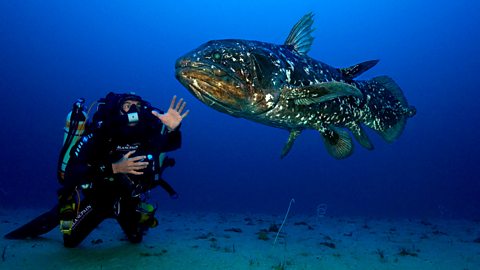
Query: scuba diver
{"x": 109, "y": 171}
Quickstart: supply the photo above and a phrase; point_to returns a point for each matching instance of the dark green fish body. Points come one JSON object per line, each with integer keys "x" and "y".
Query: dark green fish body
{"x": 281, "y": 86}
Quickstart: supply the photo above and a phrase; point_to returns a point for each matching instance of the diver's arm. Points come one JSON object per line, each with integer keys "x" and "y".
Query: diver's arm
{"x": 174, "y": 116}
{"x": 166, "y": 141}
{"x": 171, "y": 139}
{"x": 128, "y": 165}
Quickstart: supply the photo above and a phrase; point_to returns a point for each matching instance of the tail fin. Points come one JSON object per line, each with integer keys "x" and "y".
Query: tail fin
{"x": 389, "y": 108}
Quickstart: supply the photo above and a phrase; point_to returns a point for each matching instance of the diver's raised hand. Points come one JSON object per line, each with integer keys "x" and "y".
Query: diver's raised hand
{"x": 173, "y": 117}
{"x": 130, "y": 165}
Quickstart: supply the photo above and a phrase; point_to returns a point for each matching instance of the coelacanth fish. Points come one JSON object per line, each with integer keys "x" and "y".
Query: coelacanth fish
{"x": 281, "y": 86}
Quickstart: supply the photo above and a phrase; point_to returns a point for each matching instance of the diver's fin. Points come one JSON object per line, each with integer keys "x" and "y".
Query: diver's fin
{"x": 338, "y": 142}
{"x": 360, "y": 135}
{"x": 300, "y": 37}
{"x": 36, "y": 227}
{"x": 321, "y": 92}
{"x": 291, "y": 139}
{"x": 352, "y": 72}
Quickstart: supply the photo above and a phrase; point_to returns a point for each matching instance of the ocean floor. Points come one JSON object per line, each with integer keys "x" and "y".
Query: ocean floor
{"x": 246, "y": 241}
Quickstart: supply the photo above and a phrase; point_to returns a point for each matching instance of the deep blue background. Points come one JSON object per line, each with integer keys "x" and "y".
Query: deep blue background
{"x": 52, "y": 52}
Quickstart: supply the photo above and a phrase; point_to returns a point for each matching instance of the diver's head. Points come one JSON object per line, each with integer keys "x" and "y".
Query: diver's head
{"x": 131, "y": 109}
{"x": 132, "y": 116}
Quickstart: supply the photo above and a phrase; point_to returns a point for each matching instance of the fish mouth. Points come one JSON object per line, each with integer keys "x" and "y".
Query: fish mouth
{"x": 210, "y": 84}
{"x": 198, "y": 90}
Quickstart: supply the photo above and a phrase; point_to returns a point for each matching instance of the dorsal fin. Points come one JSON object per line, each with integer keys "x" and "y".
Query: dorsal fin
{"x": 352, "y": 72}
{"x": 300, "y": 37}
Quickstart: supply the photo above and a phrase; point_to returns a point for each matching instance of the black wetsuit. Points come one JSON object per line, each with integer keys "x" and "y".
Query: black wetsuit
{"x": 112, "y": 195}
{"x": 110, "y": 136}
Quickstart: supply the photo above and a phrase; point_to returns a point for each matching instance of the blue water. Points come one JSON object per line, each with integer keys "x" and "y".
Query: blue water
{"x": 53, "y": 52}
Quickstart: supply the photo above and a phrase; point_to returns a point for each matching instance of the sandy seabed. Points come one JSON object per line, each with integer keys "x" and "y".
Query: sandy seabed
{"x": 246, "y": 241}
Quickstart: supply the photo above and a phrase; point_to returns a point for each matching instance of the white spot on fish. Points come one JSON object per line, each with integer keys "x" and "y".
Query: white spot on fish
{"x": 307, "y": 70}
{"x": 288, "y": 75}
{"x": 291, "y": 64}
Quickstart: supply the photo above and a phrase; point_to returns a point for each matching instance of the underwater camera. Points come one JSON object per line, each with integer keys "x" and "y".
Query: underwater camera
{"x": 136, "y": 184}
{"x": 148, "y": 173}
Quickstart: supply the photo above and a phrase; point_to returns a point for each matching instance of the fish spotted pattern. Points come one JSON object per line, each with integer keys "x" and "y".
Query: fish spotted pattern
{"x": 281, "y": 86}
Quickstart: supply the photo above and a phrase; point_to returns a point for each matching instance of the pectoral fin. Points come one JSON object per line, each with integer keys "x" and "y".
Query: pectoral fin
{"x": 321, "y": 92}
{"x": 291, "y": 139}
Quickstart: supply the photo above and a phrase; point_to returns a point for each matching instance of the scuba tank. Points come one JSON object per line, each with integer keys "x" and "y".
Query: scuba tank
{"x": 73, "y": 131}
